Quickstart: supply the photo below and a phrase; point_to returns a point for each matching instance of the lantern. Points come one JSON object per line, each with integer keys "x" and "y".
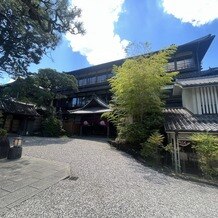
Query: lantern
{"x": 18, "y": 141}
{"x": 102, "y": 123}
{"x": 85, "y": 123}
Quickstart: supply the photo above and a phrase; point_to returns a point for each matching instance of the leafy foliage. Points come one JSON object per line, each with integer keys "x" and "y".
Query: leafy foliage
{"x": 1, "y": 119}
{"x": 3, "y": 132}
{"x": 138, "y": 95}
{"x": 40, "y": 88}
{"x": 53, "y": 81}
{"x": 206, "y": 146}
{"x": 29, "y": 28}
{"x": 52, "y": 127}
{"x": 169, "y": 148}
{"x": 26, "y": 90}
{"x": 150, "y": 148}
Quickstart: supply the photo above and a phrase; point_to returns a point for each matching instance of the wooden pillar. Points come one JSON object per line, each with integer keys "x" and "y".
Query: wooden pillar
{"x": 175, "y": 152}
{"x": 178, "y": 153}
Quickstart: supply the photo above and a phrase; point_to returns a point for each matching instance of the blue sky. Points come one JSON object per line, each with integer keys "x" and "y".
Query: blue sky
{"x": 112, "y": 24}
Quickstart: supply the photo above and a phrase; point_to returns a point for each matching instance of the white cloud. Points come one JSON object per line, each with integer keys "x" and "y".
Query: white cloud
{"x": 11, "y": 80}
{"x": 196, "y": 12}
{"x": 100, "y": 44}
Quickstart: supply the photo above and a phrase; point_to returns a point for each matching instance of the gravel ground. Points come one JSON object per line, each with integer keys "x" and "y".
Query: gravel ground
{"x": 111, "y": 184}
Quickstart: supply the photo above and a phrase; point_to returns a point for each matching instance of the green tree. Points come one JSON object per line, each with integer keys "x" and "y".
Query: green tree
{"x": 52, "y": 127}
{"x": 137, "y": 101}
{"x": 40, "y": 88}
{"x": 54, "y": 81}
{"x": 28, "y": 28}
{"x": 206, "y": 146}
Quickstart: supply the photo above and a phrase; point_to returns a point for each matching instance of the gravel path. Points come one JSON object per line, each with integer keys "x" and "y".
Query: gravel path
{"x": 111, "y": 184}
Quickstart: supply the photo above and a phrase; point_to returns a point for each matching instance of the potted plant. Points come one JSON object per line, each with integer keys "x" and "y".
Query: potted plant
{"x": 4, "y": 143}
{"x": 15, "y": 152}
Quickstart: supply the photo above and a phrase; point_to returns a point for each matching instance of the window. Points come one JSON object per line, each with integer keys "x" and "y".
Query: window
{"x": 74, "y": 102}
{"x": 171, "y": 66}
{"x": 87, "y": 81}
{"x": 81, "y": 101}
{"x": 185, "y": 64}
{"x": 91, "y": 80}
{"x": 78, "y": 102}
{"x": 82, "y": 82}
{"x": 102, "y": 78}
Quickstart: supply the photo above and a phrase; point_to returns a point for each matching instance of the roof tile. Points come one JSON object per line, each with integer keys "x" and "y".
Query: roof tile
{"x": 180, "y": 119}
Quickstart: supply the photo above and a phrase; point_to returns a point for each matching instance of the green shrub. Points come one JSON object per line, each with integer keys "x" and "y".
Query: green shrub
{"x": 1, "y": 119}
{"x": 206, "y": 146}
{"x": 52, "y": 127}
{"x": 133, "y": 133}
{"x": 3, "y": 132}
{"x": 169, "y": 148}
{"x": 150, "y": 148}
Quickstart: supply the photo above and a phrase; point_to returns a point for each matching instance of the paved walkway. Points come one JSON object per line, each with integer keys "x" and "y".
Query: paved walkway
{"x": 110, "y": 184}
{"x": 20, "y": 179}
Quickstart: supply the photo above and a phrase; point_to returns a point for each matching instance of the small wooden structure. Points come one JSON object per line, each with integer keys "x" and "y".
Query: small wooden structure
{"x": 179, "y": 125}
{"x": 87, "y": 120}
{"x": 18, "y": 117}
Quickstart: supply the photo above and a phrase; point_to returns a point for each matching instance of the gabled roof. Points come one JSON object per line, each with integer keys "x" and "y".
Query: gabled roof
{"x": 94, "y": 106}
{"x": 182, "y": 120}
{"x": 15, "y": 107}
{"x": 96, "y": 102}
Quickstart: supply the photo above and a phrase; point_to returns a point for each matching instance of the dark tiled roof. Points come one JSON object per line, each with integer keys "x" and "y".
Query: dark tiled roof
{"x": 96, "y": 102}
{"x": 203, "y": 73}
{"x": 181, "y": 120}
{"x": 198, "y": 81}
{"x": 15, "y": 107}
{"x": 95, "y": 105}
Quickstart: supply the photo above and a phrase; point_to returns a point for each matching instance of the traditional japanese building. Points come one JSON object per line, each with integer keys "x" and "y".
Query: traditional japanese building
{"x": 197, "y": 113}
{"x": 19, "y": 117}
{"x": 93, "y": 84}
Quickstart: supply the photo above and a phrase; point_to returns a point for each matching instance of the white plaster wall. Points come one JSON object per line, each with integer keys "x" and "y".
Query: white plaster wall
{"x": 188, "y": 98}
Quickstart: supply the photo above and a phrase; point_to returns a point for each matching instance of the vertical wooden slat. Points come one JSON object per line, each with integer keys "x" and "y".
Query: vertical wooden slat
{"x": 209, "y": 100}
{"x": 205, "y": 99}
{"x": 202, "y": 100}
{"x": 198, "y": 101}
{"x": 215, "y": 89}
{"x": 212, "y": 100}
{"x": 194, "y": 101}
